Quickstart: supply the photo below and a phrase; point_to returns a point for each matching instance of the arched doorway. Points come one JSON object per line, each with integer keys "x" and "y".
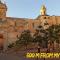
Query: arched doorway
{"x": 1, "y": 41}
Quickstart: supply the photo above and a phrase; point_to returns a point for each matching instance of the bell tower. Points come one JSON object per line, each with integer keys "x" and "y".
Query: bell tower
{"x": 43, "y": 10}
{"x": 3, "y": 10}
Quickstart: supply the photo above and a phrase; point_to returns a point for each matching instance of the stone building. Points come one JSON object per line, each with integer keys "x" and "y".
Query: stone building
{"x": 11, "y": 27}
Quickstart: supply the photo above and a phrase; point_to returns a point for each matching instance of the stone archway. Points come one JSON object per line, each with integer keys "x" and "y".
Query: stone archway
{"x": 1, "y": 41}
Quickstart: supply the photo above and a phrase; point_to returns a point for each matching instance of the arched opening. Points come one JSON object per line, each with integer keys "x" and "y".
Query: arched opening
{"x": 1, "y": 41}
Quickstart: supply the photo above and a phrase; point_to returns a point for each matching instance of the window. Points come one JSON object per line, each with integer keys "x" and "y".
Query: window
{"x": 46, "y": 23}
{"x": 44, "y": 17}
{"x": 1, "y": 21}
{"x": 1, "y": 36}
{"x": 33, "y": 25}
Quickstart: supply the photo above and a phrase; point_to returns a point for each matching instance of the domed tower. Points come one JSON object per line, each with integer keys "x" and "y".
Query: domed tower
{"x": 3, "y": 9}
{"x": 43, "y": 10}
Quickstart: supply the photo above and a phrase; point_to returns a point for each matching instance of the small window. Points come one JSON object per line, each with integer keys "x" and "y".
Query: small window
{"x": 44, "y": 17}
{"x": 1, "y": 36}
{"x": 46, "y": 23}
{"x": 1, "y": 21}
{"x": 33, "y": 24}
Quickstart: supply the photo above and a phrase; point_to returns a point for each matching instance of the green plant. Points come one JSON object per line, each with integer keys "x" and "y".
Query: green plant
{"x": 11, "y": 45}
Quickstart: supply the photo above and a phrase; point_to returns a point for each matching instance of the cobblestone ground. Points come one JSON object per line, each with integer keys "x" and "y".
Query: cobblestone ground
{"x": 20, "y": 55}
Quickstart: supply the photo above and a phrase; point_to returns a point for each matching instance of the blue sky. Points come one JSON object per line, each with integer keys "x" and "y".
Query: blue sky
{"x": 31, "y": 8}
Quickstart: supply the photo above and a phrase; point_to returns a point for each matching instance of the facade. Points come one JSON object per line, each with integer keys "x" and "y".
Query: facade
{"x": 11, "y": 27}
